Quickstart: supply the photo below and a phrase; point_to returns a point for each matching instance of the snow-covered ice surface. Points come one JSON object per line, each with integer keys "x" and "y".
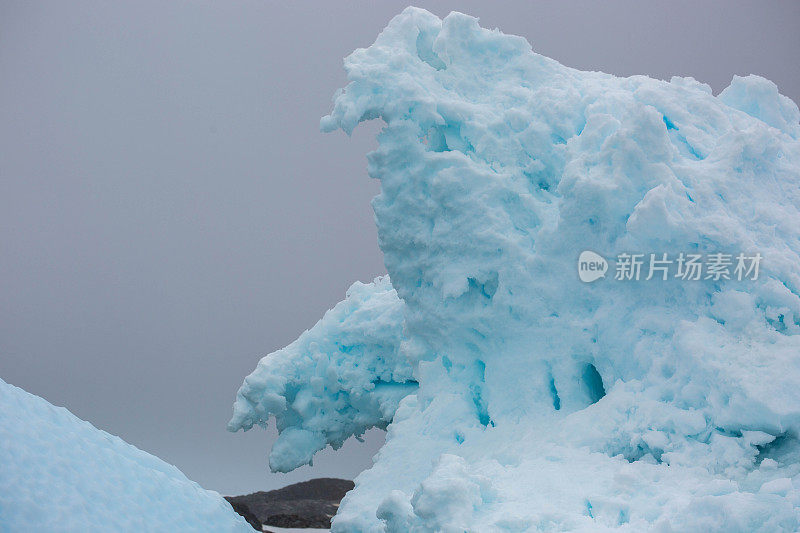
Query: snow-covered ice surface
{"x": 60, "y": 473}
{"x": 517, "y": 397}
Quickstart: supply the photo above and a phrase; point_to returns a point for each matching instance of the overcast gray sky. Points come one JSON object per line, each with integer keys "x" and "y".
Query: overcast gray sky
{"x": 169, "y": 211}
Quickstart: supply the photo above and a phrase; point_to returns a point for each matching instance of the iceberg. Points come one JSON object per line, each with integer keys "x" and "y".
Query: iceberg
{"x": 515, "y": 396}
{"x": 60, "y": 473}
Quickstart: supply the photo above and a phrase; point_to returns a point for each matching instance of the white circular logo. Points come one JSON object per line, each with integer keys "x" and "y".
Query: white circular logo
{"x": 591, "y": 266}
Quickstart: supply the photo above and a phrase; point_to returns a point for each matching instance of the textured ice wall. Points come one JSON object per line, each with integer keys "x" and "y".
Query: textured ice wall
{"x": 544, "y": 403}
{"x": 59, "y": 473}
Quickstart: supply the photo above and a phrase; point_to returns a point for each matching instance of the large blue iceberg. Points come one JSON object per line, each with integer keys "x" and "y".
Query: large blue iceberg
{"x": 515, "y": 396}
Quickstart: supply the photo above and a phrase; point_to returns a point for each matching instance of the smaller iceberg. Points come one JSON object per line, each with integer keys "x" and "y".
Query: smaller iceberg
{"x": 60, "y": 473}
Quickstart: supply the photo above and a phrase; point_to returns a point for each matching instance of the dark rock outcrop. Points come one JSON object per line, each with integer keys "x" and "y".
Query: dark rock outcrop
{"x": 308, "y": 504}
{"x": 243, "y": 510}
